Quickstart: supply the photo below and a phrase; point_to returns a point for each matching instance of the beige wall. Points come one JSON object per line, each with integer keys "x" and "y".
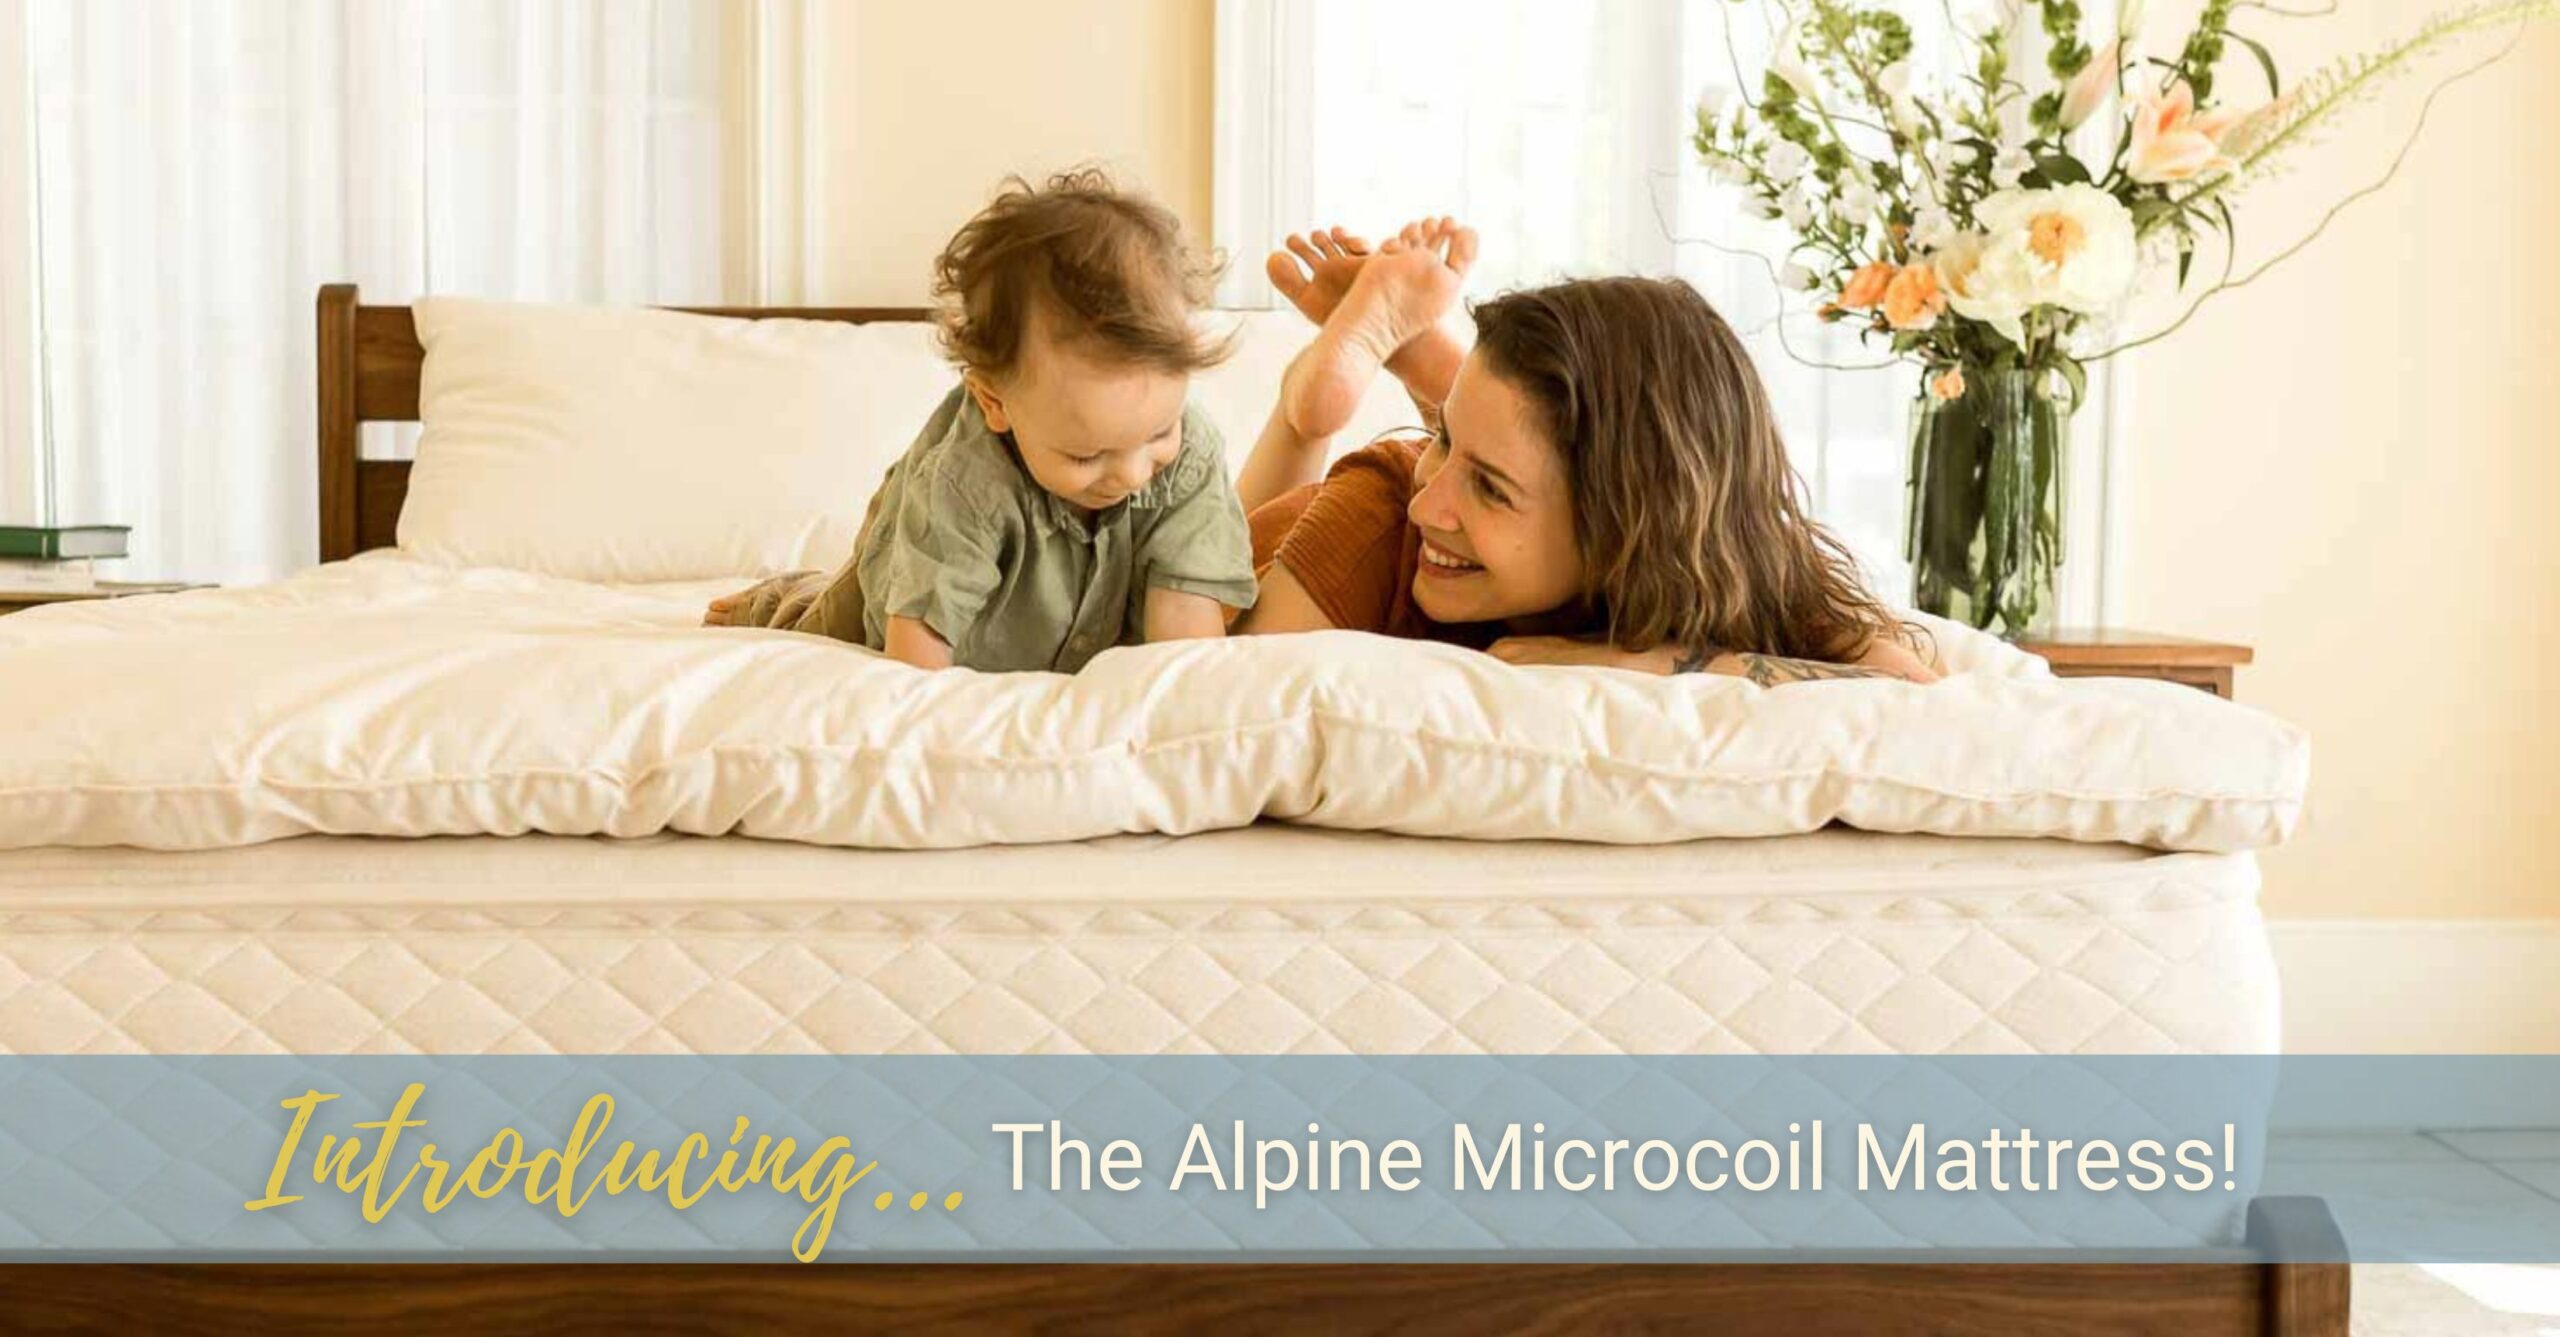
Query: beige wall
{"x": 2352, "y": 465}
{"x": 2349, "y": 465}
{"x": 928, "y": 103}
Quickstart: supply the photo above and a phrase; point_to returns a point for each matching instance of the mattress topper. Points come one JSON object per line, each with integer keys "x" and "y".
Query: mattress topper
{"x": 1267, "y": 863}
{"x": 386, "y": 696}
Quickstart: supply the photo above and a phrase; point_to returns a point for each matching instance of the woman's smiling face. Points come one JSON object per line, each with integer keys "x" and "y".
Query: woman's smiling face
{"x": 1495, "y": 508}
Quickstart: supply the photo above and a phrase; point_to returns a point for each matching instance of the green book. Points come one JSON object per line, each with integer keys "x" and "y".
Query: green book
{"x": 49, "y": 543}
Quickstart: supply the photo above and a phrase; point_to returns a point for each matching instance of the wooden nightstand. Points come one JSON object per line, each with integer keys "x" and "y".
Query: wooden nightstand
{"x": 2107, "y": 652}
{"x": 14, "y": 601}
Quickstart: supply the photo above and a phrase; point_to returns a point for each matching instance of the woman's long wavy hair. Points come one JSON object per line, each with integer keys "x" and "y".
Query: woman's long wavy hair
{"x": 1691, "y": 522}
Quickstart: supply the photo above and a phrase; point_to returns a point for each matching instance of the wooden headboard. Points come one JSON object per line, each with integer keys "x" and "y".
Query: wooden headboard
{"x": 369, "y": 363}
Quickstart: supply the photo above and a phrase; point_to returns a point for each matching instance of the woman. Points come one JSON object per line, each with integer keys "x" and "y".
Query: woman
{"x": 1604, "y": 482}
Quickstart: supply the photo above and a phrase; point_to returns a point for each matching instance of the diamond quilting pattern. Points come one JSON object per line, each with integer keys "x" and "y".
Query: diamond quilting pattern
{"x": 2176, "y": 964}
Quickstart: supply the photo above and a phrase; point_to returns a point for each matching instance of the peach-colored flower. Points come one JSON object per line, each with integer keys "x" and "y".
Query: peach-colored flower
{"x": 1867, "y": 287}
{"x": 1948, "y": 384}
{"x": 2091, "y": 85}
{"x": 1913, "y": 300}
{"x": 2172, "y": 141}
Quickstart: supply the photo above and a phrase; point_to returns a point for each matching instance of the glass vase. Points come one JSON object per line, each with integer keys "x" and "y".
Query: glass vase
{"x": 1984, "y": 527}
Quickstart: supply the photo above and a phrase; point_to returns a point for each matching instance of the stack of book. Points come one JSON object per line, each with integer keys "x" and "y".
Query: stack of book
{"x": 48, "y": 559}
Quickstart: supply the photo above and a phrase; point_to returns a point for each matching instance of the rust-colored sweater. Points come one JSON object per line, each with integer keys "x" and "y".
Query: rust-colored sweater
{"x": 1347, "y": 540}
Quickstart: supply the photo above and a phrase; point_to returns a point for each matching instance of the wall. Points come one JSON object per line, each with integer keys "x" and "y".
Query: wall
{"x": 2351, "y": 465}
{"x": 927, "y": 105}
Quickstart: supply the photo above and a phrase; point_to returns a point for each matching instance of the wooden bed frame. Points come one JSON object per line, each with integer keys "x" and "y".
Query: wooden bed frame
{"x": 369, "y": 361}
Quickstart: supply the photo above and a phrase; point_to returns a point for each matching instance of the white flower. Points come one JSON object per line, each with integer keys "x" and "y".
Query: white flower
{"x": 2129, "y": 19}
{"x": 1787, "y": 62}
{"x": 2071, "y": 246}
{"x": 1997, "y": 295}
{"x": 1931, "y": 228}
{"x": 1982, "y": 18}
{"x": 1787, "y": 160}
{"x": 1895, "y": 79}
{"x": 2012, "y": 164}
{"x": 1797, "y": 278}
{"x": 1855, "y": 201}
{"x": 1759, "y": 208}
{"x": 1946, "y": 159}
{"x": 1905, "y": 111}
{"x": 1731, "y": 171}
{"x": 1797, "y": 207}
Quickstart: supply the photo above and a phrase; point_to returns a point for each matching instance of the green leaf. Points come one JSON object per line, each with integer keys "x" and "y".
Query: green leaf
{"x": 2061, "y": 169}
{"x": 2186, "y": 260}
{"x": 2266, "y": 63}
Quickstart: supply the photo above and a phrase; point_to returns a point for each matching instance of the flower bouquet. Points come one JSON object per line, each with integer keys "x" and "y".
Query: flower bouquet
{"x": 1992, "y": 229}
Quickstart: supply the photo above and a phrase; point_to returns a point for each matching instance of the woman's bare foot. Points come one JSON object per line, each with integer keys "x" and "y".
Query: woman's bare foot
{"x": 1397, "y": 295}
{"x": 1316, "y": 269}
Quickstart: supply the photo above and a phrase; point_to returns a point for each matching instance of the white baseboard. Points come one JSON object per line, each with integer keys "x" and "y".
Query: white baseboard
{"x": 2401, "y": 986}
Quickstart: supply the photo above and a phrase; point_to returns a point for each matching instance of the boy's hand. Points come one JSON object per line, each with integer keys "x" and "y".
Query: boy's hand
{"x": 774, "y": 602}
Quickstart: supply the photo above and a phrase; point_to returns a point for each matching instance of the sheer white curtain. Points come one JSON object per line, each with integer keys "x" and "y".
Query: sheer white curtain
{"x": 22, "y": 486}
{"x": 201, "y": 166}
{"x": 1560, "y": 129}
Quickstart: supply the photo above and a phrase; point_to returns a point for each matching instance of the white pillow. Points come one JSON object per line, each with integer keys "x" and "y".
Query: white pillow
{"x": 639, "y": 445}
{"x": 626, "y": 445}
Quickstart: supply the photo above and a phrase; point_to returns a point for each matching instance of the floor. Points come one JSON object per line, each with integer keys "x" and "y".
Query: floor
{"x": 2520, "y": 1168}
{"x": 2462, "y": 1300}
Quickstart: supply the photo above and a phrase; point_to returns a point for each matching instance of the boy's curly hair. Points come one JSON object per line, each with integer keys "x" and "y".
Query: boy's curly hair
{"x": 1110, "y": 268}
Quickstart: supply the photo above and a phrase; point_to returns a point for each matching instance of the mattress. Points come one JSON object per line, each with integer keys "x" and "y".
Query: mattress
{"x": 1264, "y": 939}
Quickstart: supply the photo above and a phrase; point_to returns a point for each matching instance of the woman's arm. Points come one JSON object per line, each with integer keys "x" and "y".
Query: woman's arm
{"x": 1283, "y": 606}
{"x": 1897, "y": 657}
{"x": 1766, "y": 670}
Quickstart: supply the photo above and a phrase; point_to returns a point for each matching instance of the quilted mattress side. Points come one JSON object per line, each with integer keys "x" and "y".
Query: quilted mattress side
{"x": 2160, "y": 954}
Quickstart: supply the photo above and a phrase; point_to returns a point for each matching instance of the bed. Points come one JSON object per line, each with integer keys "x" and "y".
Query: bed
{"x": 1265, "y": 938}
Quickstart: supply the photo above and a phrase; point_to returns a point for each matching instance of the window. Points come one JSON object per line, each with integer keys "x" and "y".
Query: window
{"x": 199, "y": 169}
{"x": 1559, "y": 128}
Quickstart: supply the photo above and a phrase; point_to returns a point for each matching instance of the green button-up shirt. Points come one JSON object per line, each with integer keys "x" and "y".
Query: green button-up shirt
{"x": 961, "y": 539}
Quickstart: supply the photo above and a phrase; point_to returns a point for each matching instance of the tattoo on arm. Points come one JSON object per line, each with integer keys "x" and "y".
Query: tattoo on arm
{"x": 1776, "y": 671}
